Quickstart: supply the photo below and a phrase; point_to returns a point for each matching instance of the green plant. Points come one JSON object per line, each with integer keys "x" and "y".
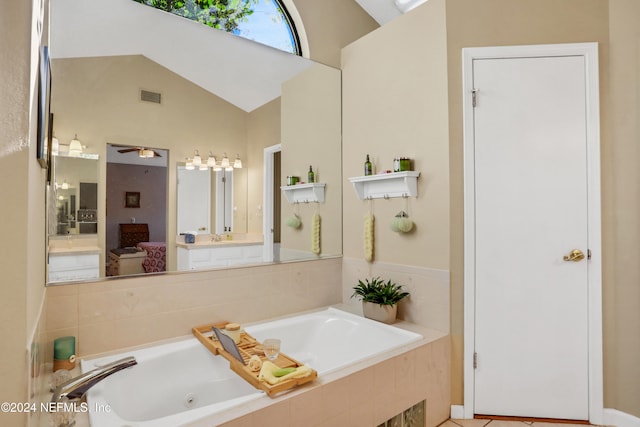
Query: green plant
{"x": 378, "y": 291}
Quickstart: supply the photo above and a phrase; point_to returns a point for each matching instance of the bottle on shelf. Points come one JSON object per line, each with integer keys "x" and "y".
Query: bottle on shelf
{"x": 368, "y": 168}
{"x": 311, "y": 177}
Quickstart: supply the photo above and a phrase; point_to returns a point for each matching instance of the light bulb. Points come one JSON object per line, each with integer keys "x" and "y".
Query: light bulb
{"x": 211, "y": 161}
{"x": 237, "y": 163}
{"x": 75, "y": 147}
{"x": 197, "y": 160}
{"x": 225, "y": 161}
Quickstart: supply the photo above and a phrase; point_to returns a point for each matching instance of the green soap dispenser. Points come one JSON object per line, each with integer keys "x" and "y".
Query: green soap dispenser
{"x": 311, "y": 177}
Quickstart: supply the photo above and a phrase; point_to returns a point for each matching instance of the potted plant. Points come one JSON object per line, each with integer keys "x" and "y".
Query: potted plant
{"x": 379, "y": 298}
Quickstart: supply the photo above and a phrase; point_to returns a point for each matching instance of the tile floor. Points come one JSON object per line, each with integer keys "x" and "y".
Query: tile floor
{"x": 500, "y": 423}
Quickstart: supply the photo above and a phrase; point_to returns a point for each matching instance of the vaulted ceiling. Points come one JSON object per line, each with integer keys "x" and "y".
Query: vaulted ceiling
{"x": 242, "y": 72}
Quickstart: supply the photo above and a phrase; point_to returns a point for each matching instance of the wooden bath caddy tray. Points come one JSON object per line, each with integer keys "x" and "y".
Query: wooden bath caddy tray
{"x": 248, "y": 347}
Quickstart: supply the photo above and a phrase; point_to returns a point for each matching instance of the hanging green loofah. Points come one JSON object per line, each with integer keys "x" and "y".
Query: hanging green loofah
{"x": 294, "y": 221}
{"x": 401, "y": 223}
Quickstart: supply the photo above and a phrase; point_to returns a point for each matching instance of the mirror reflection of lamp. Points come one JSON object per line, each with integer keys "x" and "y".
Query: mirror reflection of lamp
{"x": 55, "y": 145}
{"x": 197, "y": 160}
{"x": 224, "y": 163}
{"x": 211, "y": 160}
{"x": 146, "y": 153}
{"x": 189, "y": 165}
{"x": 75, "y": 147}
{"x": 237, "y": 164}
{"x": 65, "y": 185}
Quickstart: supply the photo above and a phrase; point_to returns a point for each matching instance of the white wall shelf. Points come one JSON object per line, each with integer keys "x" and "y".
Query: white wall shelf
{"x": 304, "y": 193}
{"x": 386, "y": 185}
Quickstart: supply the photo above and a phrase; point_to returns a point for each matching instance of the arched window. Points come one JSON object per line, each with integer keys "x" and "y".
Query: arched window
{"x": 263, "y": 21}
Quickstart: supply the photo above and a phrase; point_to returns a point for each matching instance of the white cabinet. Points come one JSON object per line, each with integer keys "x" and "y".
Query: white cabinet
{"x": 205, "y": 257}
{"x": 63, "y": 268}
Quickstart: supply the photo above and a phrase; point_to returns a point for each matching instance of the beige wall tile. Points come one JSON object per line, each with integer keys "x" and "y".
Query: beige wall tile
{"x": 62, "y": 311}
{"x": 308, "y": 408}
{"x": 275, "y": 415}
{"x": 428, "y": 304}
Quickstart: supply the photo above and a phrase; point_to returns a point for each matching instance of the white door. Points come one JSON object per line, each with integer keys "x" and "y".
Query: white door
{"x": 194, "y": 201}
{"x": 531, "y": 306}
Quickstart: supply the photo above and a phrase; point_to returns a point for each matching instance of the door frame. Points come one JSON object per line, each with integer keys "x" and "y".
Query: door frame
{"x": 268, "y": 201}
{"x": 590, "y": 53}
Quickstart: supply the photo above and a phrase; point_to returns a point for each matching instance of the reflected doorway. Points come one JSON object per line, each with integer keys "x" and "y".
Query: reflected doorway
{"x": 135, "y": 233}
{"x": 271, "y": 204}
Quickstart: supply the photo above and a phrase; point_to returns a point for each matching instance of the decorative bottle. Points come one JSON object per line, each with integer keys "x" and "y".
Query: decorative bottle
{"x": 311, "y": 177}
{"x": 368, "y": 168}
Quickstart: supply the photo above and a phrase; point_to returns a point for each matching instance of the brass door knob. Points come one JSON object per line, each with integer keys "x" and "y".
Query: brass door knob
{"x": 575, "y": 255}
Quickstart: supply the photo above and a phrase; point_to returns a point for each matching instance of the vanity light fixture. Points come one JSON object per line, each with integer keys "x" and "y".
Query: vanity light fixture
{"x": 189, "y": 165}
{"x": 197, "y": 160}
{"x": 203, "y": 167}
{"x": 65, "y": 185}
{"x": 237, "y": 164}
{"x": 211, "y": 160}
{"x": 75, "y": 147}
{"x": 224, "y": 163}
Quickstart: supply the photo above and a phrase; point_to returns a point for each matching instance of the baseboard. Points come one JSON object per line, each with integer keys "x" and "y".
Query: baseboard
{"x": 613, "y": 417}
{"x": 457, "y": 412}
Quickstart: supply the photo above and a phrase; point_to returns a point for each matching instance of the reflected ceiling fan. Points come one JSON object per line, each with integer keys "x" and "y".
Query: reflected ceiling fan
{"x": 142, "y": 152}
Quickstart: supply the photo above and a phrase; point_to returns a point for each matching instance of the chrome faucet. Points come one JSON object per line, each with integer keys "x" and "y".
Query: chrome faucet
{"x": 78, "y": 386}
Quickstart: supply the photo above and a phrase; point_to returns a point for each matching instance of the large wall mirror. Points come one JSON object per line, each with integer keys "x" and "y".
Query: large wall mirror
{"x": 129, "y": 87}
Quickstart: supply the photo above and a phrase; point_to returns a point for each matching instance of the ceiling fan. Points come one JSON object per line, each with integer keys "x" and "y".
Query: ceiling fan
{"x": 142, "y": 152}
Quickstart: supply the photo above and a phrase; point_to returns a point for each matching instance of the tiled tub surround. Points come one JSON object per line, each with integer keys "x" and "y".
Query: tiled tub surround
{"x": 154, "y": 392}
{"x": 120, "y": 313}
{"x": 366, "y": 393}
{"x": 363, "y": 395}
{"x": 428, "y": 305}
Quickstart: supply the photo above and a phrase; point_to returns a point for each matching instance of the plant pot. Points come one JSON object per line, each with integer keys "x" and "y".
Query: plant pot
{"x": 381, "y": 313}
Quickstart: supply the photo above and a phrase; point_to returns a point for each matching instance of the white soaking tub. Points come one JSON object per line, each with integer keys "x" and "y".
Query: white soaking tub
{"x": 182, "y": 382}
{"x": 331, "y": 339}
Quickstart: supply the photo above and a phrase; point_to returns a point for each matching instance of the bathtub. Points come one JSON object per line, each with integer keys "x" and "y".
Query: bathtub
{"x": 178, "y": 383}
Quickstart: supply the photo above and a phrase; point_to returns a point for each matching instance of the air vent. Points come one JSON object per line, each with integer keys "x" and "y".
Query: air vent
{"x": 148, "y": 96}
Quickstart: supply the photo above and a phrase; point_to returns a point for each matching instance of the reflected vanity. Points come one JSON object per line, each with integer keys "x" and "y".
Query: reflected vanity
{"x": 73, "y": 219}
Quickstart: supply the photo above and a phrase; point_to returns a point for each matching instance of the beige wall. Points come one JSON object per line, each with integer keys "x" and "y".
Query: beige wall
{"x": 395, "y": 104}
{"x": 263, "y": 131}
{"x": 22, "y": 192}
{"x": 331, "y": 25}
{"x": 311, "y": 135}
{"x": 621, "y": 204}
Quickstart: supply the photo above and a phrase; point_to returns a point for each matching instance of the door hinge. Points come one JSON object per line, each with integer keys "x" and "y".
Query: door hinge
{"x": 475, "y": 360}
{"x": 588, "y": 254}
{"x": 474, "y": 97}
